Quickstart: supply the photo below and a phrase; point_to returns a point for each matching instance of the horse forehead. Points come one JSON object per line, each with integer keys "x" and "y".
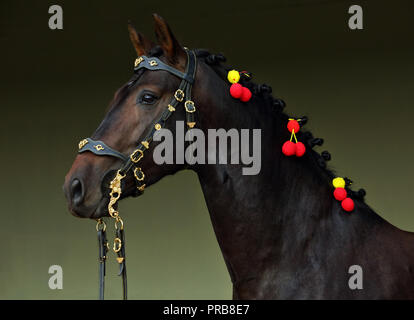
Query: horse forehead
{"x": 160, "y": 78}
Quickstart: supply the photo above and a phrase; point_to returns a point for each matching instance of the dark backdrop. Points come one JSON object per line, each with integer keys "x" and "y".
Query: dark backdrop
{"x": 356, "y": 87}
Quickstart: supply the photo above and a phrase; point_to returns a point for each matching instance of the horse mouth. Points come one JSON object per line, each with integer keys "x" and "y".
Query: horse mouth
{"x": 97, "y": 211}
{"x": 100, "y": 208}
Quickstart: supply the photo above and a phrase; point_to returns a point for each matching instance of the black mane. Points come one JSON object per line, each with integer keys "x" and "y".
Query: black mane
{"x": 275, "y": 108}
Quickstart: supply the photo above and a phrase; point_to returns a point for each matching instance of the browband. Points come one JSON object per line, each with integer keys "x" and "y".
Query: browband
{"x": 154, "y": 63}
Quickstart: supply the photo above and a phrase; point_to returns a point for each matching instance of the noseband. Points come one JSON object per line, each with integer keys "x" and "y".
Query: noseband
{"x": 131, "y": 162}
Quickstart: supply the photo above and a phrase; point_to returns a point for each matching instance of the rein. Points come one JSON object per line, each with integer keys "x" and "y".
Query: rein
{"x": 131, "y": 162}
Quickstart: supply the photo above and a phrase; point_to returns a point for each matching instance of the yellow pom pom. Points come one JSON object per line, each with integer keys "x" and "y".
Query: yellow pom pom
{"x": 338, "y": 182}
{"x": 233, "y": 76}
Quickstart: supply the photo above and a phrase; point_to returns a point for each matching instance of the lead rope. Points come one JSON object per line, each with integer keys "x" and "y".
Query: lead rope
{"x": 119, "y": 241}
{"x": 103, "y": 250}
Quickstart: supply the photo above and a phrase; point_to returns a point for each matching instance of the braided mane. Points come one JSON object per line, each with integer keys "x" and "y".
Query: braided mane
{"x": 276, "y": 107}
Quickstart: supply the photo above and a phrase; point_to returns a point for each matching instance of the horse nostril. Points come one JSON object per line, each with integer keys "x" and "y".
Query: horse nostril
{"x": 77, "y": 194}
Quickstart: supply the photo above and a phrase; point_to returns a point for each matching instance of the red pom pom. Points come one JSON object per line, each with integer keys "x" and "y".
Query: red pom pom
{"x": 300, "y": 149}
{"x": 236, "y": 90}
{"x": 348, "y": 204}
{"x": 293, "y": 124}
{"x": 340, "y": 194}
{"x": 246, "y": 95}
{"x": 289, "y": 148}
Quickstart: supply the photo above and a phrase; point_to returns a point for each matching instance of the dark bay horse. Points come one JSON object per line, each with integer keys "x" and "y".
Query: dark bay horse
{"x": 281, "y": 232}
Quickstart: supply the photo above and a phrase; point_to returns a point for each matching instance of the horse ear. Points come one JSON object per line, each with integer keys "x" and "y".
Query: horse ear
{"x": 172, "y": 49}
{"x": 141, "y": 44}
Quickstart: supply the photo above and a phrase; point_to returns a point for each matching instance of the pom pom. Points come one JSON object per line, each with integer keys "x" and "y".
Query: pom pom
{"x": 348, "y": 204}
{"x": 338, "y": 182}
{"x": 236, "y": 90}
{"x": 340, "y": 194}
{"x": 289, "y": 148}
{"x": 233, "y": 76}
{"x": 293, "y": 125}
{"x": 300, "y": 149}
{"x": 246, "y": 94}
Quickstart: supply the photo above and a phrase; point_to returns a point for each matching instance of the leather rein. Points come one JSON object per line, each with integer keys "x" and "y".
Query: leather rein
{"x": 131, "y": 162}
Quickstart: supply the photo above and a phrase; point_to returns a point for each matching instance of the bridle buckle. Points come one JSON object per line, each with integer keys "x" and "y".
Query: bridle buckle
{"x": 179, "y": 95}
{"x": 189, "y": 106}
{"x": 139, "y": 174}
{"x": 135, "y": 159}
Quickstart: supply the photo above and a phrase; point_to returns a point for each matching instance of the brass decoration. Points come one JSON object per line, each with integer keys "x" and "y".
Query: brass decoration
{"x": 141, "y": 188}
{"x": 133, "y": 155}
{"x": 119, "y": 220}
{"x": 157, "y": 126}
{"x": 82, "y": 143}
{"x": 179, "y": 95}
{"x": 189, "y": 106}
{"x": 117, "y": 245}
{"x": 145, "y": 144}
{"x": 112, "y": 212}
{"x": 120, "y": 259}
{"x": 99, "y": 147}
{"x": 99, "y": 223}
{"x": 153, "y": 63}
{"x": 171, "y": 108}
{"x": 115, "y": 193}
{"x": 191, "y": 124}
{"x": 138, "y": 61}
{"x": 139, "y": 175}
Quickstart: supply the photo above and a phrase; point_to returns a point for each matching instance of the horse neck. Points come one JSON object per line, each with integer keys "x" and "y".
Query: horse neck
{"x": 271, "y": 215}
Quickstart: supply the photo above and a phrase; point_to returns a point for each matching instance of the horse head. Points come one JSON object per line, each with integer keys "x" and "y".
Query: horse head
{"x": 139, "y": 109}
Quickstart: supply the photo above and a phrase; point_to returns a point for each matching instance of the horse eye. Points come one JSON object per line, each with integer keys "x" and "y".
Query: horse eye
{"x": 147, "y": 98}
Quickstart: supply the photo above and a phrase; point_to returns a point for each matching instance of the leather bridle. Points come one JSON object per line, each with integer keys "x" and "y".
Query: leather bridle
{"x": 131, "y": 162}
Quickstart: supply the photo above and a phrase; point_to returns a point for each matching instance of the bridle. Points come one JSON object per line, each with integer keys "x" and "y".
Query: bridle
{"x": 131, "y": 162}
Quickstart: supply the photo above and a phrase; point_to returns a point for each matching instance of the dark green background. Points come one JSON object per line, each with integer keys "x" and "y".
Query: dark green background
{"x": 357, "y": 87}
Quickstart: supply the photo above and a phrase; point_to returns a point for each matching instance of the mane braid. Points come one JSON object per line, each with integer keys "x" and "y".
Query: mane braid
{"x": 264, "y": 91}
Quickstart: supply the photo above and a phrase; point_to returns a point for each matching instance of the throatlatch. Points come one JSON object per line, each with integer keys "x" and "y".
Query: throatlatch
{"x": 130, "y": 163}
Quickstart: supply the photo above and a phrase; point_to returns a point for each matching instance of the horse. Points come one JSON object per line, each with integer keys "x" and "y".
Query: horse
{"x": 281, "y": 232}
